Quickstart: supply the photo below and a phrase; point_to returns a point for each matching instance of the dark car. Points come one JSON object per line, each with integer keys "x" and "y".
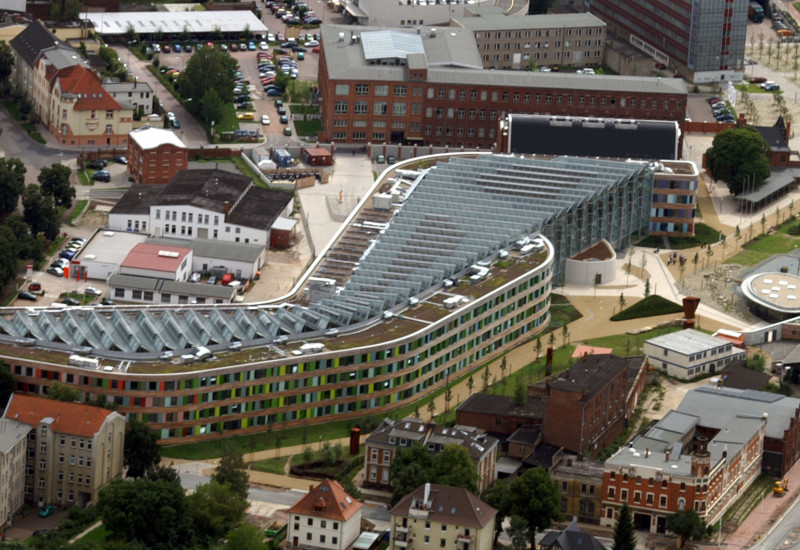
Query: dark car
{"x": 47, "y": 511}
{"x": 299, "y": 48}
{"x": 108, "y": 302}
{"x": 284, "y": 119}
{"x": 70, "y": 301}
{"x": 25, "y": 295}
{"x": 275, "y": 92}
{"x": 97, "y": 164}
{"x": 101, "y": 175}
{"x": 35, "y": 287}
{"x": 390, "y": 159}
{"x": 772, "y": 87}
{"x": 188, "y": 48}
{"x": 757, "y": 80}
{"x": 120, "y": 159}
{"x": 280, "y": 51}
{"x": 288, "y": 44}
{"x": 281, "y": 110}
{"x": 175, "y": 123}
{"x": 67, "y": 254}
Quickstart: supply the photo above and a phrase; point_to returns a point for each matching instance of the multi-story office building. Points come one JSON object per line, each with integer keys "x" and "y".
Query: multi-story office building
{"x": 428, "y": 300}
{"x": 442, "y": 517}
{"x": 703, "y": 39}
{"x": 526, "y": 41}
{"x": 73, "y": 450}
{"x": 13, "y": 442}
{"x": 674, "y": 466}
{"x": 429, "y": 86}
{"x": 382, "y": 444}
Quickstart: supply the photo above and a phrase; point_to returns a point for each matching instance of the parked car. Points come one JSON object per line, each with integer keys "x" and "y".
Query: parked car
{"x": 301, "y": 56}
{"x": 97, "y": 164}
{"x": 226, "y": 279}
{"x": 70, "y": 301}
{"x": 188, "y": 48}
{"x": 246, "y": 116}
{"x": 234, "y": 47}
{"x": 772, "y": 87}
{"x": 251, "y": 46}
{"x": 242, "y": 47}
{"x": 195, "y": 277}
{"x": 68, "y": 254}
{"x": 165, "y": 48}
{"x": 757, "y": 79}
{"x": 223, "y": 47}
{"x": 92, "y": 291}
{"x": 47, "y": 511}
{"x": 121, "y": 159}
{"x": 212, "y": 280}
{"x": 107, "y": 302}
{"x": 281, "y": 110}
{"x": 57, "y": 271}
{"x": 175, "y": 123}
{"x": 101, "y": 175}
{"x": 177, "y": 48}
{"x": 287, "y": 131}
{"x": 311, "y": 44}
{"x": 274, "y": 92}
{"x": 35, "y": 287}
{"x": 380, "y": 159}
{"x": 263, "y": 45}
{"x": 390, "y": 159}
{"x": 265, "y": 120}
{"x": 284, "y": 119}
{"x": 60, "y": 262}
{"x": 25, "y": 295}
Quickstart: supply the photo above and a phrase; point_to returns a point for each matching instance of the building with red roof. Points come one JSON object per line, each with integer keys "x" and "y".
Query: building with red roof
{"x": 159, "y": 261}
{"x": 82, "y": 112}
{"x": 327, "y": 517}
{"x": 76, "y": 450}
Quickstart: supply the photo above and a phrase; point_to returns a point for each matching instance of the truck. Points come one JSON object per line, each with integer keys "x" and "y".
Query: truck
{"x": 756, "y": 12}
{"x": 780, "y": 488}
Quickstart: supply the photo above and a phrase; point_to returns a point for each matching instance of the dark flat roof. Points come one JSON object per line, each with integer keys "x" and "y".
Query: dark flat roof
{"x": 593, "y": 137}
{"x": 485, "y": 403}
{"x": 591, "y": 374}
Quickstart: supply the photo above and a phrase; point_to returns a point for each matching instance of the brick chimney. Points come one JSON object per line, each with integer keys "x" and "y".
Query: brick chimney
{"x": 548, "y": 364}
{"x": 227, "y": 208}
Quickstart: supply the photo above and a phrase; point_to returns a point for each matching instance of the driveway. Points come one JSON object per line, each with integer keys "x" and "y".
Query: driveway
{"x": 24, "y": 527}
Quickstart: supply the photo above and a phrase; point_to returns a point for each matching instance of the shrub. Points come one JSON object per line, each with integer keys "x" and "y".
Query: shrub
{"x": 794, "y": 229}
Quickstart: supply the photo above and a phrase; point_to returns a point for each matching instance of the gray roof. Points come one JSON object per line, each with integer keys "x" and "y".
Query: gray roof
{"x": 778, "y": 180}
{"x": 174, "y": 22}
{"x": 688, "y": 342}
{"x": 11, "y": 431}
{"x": 123, "y": 87}
{"x": 593, "y": 137}
{"x": 380, "y": 44}
{"x": 716, "y": 406}
{"x": 452, "y": 50}
{"x": 172, "y": 287}
{"x": 64, "y": 56}
{"x": 448, "y": 505}
{"x": 571, "y": 538}
{"x": 592, "y": 374}
{"x": 32, "y": 41}
{"x": 221, "y": 250}
{"x": 490, "y": 20}
{"x": 138, "y": 199}
{"x": 390, "y": 432}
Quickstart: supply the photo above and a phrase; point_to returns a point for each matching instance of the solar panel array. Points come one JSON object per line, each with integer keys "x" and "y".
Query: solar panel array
{"x": 453, "y": 216}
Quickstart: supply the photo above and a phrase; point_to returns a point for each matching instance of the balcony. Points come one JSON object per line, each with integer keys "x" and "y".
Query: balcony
{"x": 418, "y": 512}
{"x": 466, "y": 539}
{"x": 402, "y": 543}
{"x": 402, "y": 529}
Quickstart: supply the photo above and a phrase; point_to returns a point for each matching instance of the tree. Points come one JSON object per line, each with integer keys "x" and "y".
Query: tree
{"x": 534, "y": 496}
{"x": 454, "y": 467}
{"x": 647, "y": 287}
{"x": 215, "y": 509}
{"x": 624, "y": 530}
{"x": 40, "y": 213}
{"x": 351, "y": 489}
{"x": 327, "y": 454}
{"x": 497, "y": 497}
{"x": 696, "y": 260}
{"x": 231, "y": 470}
{"x": 470, "y": 384}
{"x": 141, "y": 448}
{"x": 163, "y": 473}
{"x": 54, "y": 181}
{"x": 7, "y": 385}
{"x": 565, "y": 336}
{"x": 448, "y": 396}
{"x": 551, "y": 339}
{"x": 6, "y": 61}
{"x": 208, "y": 69}
{"x": 246, "y": 537}
{"x": 62, "y": 392}
{"x": 503, "y": 367}
{"x": 213, "y": 106}
{"x": 431, "y": 407}
{"x": 737, "y": 235}
{"x": 152, "y": 513}
{"x": 520, "y": 393}
{"x": 12, "y": 183}
{"x": 621, "y": 301}
{"x": 687, "y": 525}
{"x": 307, "y": 455}
{"x": 763, "y": 222}
{"x": 738, "y": 156}
{"x": 410, "y": 468}
{"x": 518, "y": 531}
{"x": 485, "y": 376}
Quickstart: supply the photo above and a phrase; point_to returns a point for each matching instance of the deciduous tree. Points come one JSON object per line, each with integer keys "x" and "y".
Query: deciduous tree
{"x": 6, "y": 61}
{"x": 208, "y": 69}
{"x": 54, "y": 181}
{"x": 40, "y": 212}
{"x": 7, "y": 385}
{"x": 12, "y": 183}
{"x": 141, "y": 448}
{"x": 738, "y": 156}
{"x": 231, "y": 470}
{"x": 453, "y": 466}
{"x": 497, "y": 497}
{"x": 62, "y": 392}
{"x": 215, "y": 509}
{"x": 687, "y": 525}
{"x": 534, "y": 496}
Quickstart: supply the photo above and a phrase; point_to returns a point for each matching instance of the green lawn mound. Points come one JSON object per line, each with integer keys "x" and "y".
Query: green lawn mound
{"x": 649, "y": 307}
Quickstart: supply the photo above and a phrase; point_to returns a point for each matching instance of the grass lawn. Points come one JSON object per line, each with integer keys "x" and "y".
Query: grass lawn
{"x": 751, "y": 88}
{"x": 299, "y": 91}
{"x": 626, "y": 345}
{"x": 308, "y": 127}
{"x": 651, "y": 306}
{"x": 97, "y": 535}
{"x": 78, "y": 209}
{"x": 561, "y": 311}
{"x": 302, "y": 109}
{"x": 528, "y": 374}
{"x": 229, "y": 122}
{"x": 271, "y": 465}
{"x": 702, "y": 234}
{"x": 764, "y": 246}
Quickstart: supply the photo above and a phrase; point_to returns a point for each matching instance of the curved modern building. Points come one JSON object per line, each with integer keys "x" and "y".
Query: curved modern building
{"x": 773, "y": 296}
{"x": 447, "y": 263}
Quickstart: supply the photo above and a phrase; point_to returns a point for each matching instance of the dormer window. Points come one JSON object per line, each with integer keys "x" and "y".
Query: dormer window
{"x": 392, "y": 440}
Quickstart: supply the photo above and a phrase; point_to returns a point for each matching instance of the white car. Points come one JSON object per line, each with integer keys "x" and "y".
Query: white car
{"x": 170, "y": 115}
{"x": 195, "y": 278}
{"x": 92, "y": 291}
{"x": 270, "y": 37}
{"x": 311, "y": 43}
{"x": 265, "y": 119}
{"x": 586, "y": 71}
{"x": 263, "y": 45}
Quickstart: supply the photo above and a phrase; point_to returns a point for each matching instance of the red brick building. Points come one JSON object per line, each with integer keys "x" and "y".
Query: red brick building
{"x": 155, "y": 155}
{"x": 429, "y": 87}
{"x": 499, "y": 414}
{"x": 587, "y": 406}
{"x": 674, "y": 467}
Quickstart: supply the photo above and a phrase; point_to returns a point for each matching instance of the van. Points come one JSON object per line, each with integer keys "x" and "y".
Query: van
{"x": 226, "y": 279}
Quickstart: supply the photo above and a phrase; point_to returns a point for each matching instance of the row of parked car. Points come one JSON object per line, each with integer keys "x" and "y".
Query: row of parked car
{"x": 721, "y": 111}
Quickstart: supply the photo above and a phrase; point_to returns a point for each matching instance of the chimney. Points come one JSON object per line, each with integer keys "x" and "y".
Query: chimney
{"x": 666, "y": 455}
{"x": 355, "y": 438}
{"x": 566, "y": 374}
{"x": 310, "y": 487}
{"x": 547, "y": 386}
{"x": 227, "y": 207}
{"x": 548, "y": 365}
{"x": 647, "y": 452}
{"x": 585, "y": 355}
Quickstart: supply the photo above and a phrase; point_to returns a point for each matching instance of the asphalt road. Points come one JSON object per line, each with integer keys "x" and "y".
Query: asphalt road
{"x": 16, "y": 143}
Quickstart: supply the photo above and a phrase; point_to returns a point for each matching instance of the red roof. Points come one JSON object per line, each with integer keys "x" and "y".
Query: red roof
{"x": 581, "y": 350}
{"x": 155, "y": 257}
{"x": 68, "y": 418}
{"x": 87, "y": 86}
{"x": 327, "y": 500}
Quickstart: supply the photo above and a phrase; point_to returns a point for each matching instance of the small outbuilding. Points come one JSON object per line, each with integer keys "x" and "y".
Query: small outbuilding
{"x": 283, "y": 233}
{"x": 316, "y": 156}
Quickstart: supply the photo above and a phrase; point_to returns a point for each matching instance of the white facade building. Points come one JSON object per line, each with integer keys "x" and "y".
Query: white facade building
{"x": 689, "y": 353}
{"x": 13, "y": 442}
{"x": 135, "y": 95}
{"x": 327, "y": 517}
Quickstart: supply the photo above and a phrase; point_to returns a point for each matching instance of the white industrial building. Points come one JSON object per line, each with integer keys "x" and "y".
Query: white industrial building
{"x": 105, "y": 251}
{"x": 690, "y": 353}
{"x": 241, "y": 260}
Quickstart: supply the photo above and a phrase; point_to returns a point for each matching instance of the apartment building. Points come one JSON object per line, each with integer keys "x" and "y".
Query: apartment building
{"x": 702, "y": 39}
{"x": 674, "y": 466}
{"x": 13, "y": 443}
{"x": 439, "y": 516}
{"x": 326, "y": 517}
{"x": 138, "y": 96}
{"x": 530, "y": 41}
{"x": 72, "y": 450}
{"x": 580, "y": 486}
{"x": 28, "y": 46}
{"x": 155, "y": 155}
{"x": 429, "y": 87}
{"x": 382, "y": 444}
